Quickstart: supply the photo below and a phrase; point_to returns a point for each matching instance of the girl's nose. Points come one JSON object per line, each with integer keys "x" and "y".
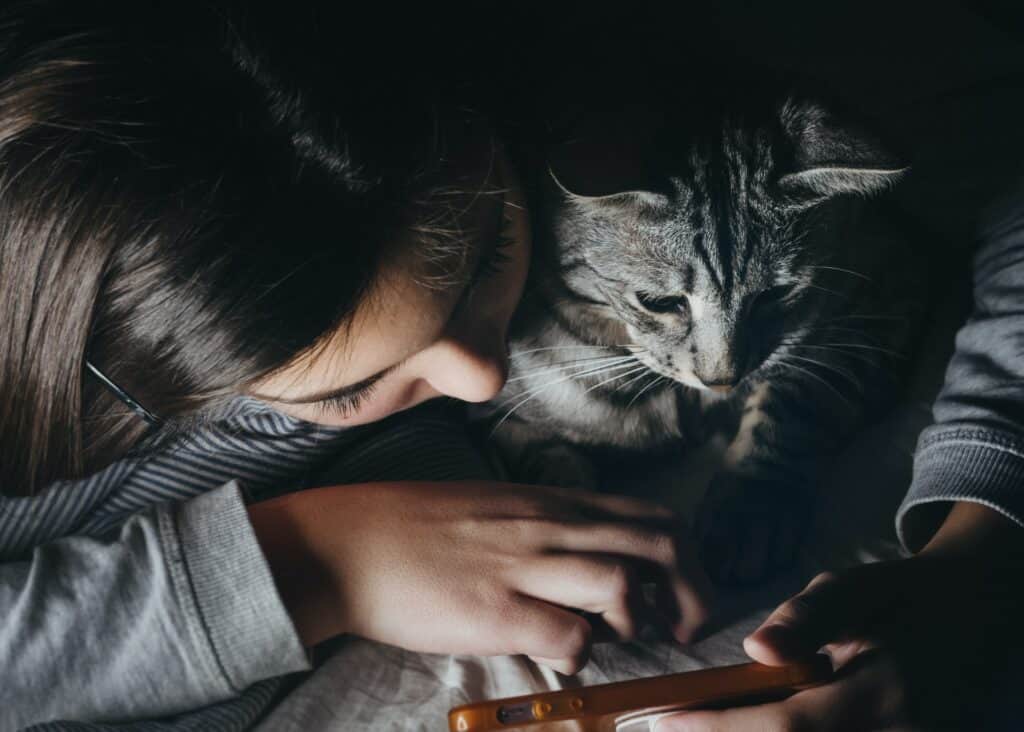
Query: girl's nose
{"x": 473, "y": 369}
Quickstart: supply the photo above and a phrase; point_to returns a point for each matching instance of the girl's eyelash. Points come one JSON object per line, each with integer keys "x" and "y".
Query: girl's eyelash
{"x": 345, "y": 405}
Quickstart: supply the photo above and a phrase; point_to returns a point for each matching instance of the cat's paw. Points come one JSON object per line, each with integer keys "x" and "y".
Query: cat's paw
{"x": 750, "y": 530}
{"x": 558, "y": 464}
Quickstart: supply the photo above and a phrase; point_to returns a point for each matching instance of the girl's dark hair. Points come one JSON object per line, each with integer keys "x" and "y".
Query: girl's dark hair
{"x": 188, "y": 199}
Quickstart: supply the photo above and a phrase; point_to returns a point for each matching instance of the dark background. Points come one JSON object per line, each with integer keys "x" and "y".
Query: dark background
{"x": 942, "y": 82}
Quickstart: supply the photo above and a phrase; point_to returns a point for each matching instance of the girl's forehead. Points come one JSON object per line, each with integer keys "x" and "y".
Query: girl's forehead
{"x": 397, "y": 319}
{"x": 406, "y": 309}
{"x": 419, "y": 281}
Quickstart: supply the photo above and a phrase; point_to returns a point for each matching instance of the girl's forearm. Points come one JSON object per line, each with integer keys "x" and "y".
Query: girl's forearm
{"x": 288, "y": 529}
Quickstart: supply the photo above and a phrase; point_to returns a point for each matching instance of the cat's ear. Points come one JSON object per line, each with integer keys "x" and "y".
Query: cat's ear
{"x": 624, "y": 200}
{"x": 831, "y": 158}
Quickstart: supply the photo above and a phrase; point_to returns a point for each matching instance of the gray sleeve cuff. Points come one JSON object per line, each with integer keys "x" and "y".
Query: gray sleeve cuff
{"x": 961, "y": 464}
{"x": 225, "y": 585}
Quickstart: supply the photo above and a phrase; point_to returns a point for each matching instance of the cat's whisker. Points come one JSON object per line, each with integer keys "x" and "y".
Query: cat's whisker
{"x": 864, "y": 358}
{"x": 782, "y": 362}
{"x": 830, "y": 292}
{"x": 835, "y": 347}
{"x": 576, "y": 347}
{"x": 566, "y": 365}
{"x": 591, "y": 358}
{"x": 613, "y": 378}
{"x": 536, "y": 391}
{"x": 803, "y": 339}
{"x": 640, "y": 393}
{"x": 622, "y": 386}
{"x": 855, "y": 316}
{"x": 828, "y": 329}
{"x": 591, "y": 370}
{"x": 829, "y": 367}
{"x": 588, "y": 370}
{"x": 861, "y": 275}
{"x": 866, "y": 347}
{"x": 855, "y": 331}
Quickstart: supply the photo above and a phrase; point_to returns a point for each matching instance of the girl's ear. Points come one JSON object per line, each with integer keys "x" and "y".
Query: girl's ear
{"x": 831, "y": 158}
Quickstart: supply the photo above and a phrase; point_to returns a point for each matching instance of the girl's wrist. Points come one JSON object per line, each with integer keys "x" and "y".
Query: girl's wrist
{"x": 971, "y": 529}
{"x": 286, "y": 529}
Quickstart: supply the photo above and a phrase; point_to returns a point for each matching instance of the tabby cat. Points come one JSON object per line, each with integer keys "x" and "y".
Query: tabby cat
{"x": 750, "y": 283}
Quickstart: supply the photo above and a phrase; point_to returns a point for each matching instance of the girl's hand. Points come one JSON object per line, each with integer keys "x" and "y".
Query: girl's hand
{"x": 918, "y": 643}
{"x": 479, "y": 567}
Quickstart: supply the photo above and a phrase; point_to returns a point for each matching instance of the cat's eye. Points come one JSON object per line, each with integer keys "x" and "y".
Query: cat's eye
{"x": 662, "y": 304}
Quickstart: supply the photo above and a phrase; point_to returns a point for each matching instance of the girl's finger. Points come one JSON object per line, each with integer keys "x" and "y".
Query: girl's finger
{"x": 541, "y": 630}
{"x": 762, "y": 718}
{"x": 670, "y": 560}
{"x": 865, "y": 699}
{"x": 844, "y": 652}
{"x": 870, "y": 694}
{"x": 561, "y": 665}
{"x": 628, "y": 507}
{"x": 831, "y": 608}
{"x": 607, "y": 587}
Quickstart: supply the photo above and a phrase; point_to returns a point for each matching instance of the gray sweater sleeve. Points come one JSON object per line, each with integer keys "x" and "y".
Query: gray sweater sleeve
{"x": 974, "y": 451}
{"x": 177, "y": 611}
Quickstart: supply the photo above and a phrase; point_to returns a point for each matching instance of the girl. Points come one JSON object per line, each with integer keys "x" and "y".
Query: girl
{"x": 222, "y": 253}
{"x": 225, "y": 257}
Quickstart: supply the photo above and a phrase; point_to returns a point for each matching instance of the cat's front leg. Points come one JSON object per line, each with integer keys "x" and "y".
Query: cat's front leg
{"x": 757, "y": 509}
{"x": 751, "y": 528}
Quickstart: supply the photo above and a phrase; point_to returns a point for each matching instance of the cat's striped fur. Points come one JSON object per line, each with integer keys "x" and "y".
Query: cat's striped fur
{"x": 752, "y": 285}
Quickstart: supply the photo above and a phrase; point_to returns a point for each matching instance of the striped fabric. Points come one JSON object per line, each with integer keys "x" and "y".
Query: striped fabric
{"x": 267, "y": 453}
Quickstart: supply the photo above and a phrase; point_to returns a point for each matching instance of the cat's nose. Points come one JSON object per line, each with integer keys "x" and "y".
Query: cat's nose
{"x": 718, "y": 367}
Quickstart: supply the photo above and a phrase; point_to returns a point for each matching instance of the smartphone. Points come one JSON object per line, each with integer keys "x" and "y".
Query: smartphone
{"x": 628, "y": 706}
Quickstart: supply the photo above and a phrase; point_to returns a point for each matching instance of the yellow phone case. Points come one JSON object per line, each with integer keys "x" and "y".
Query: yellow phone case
{"x": 627, "y": 705}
